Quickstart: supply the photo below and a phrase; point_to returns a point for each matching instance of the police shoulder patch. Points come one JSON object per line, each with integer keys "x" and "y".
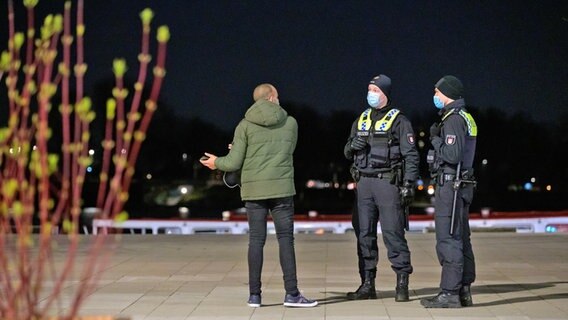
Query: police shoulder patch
{"x": 410, "y": 138}
{"x": 450, "y": 139}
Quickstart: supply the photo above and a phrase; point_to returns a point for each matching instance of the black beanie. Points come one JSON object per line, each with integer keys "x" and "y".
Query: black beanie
{"x": 384, "y": 83}
{"x": 451, "y": 87}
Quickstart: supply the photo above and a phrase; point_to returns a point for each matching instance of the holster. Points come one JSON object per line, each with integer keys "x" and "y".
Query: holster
{"x": 398, "y": 176}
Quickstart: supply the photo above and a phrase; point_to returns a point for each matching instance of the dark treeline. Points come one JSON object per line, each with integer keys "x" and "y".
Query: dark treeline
{"x": 515, "y": 148}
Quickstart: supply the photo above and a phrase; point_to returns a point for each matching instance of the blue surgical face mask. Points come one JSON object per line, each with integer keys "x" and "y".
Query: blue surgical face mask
{"x": 373, "y": 99}
{"x": 438, "y": 102}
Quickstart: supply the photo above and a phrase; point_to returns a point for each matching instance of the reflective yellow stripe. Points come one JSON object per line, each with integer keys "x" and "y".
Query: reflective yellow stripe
{"x": 471, "y": 125}
{"x": 365, "y": 120}
{"x": 386, "y": 122}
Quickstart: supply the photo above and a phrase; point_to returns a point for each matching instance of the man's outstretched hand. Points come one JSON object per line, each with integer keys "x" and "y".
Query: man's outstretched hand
{"x": 208, "y": 160}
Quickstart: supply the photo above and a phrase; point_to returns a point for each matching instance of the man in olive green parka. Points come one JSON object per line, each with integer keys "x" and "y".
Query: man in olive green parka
{"x": 262, "y": 148}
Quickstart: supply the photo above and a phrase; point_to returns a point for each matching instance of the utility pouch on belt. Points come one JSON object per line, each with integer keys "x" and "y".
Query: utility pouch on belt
{"x": 433, "y": 163}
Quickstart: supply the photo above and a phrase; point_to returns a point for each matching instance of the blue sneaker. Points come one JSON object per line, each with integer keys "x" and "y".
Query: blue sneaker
{"x": 254, "y": 301}
{"x": 299, "y": 301}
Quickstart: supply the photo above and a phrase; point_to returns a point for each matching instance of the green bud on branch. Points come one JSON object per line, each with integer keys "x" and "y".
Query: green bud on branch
{"x": 67, "y": 226}
{"x": 163, "y": 34}
{"x": 134, "y": 116}
{"x": 121, "y": 217}
{"x": 17, "y": 209}
{"x": 85, "y": 161}
{"x": 5, "y": 61}
{"x": 119, "y": 93}
{"x": 30, "y": 3}
{"x": 144, "y": 58}
{"x": 62, "y": 68}
{"x": 32, "y": 87}
{"x": 139, "y": 135}
{"x": 57, "y": 23}
{"x": 80, "y": 69}
{"x": 146, "y": 16}
{"x": 80, "y": 30}
{"x": 18, "y": 40}
{"x": 84, "y": 106}
{"x": 111, "y": 109}
{"x": 4, "y": 134}
{"x": 9, "y": 188}
{"x": 52, "y": 161}
{"x": 47, "y": 27}
{"x": 119, "y": 67}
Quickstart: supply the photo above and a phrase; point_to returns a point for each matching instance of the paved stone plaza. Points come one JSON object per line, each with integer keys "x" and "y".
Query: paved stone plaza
{"x": 204, "y": 276}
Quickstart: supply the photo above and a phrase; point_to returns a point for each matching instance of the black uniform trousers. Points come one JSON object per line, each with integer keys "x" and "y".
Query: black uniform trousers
{"x": 455, "y": 253}
{"x": 378, "y": 199}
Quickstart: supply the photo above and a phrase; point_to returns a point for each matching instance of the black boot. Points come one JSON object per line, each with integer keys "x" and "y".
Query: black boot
{"x": 442, "y": 300}
{"x": 366, "y": 290}
{"x": 401, "y": 287}
{"x": 465, "y": 296}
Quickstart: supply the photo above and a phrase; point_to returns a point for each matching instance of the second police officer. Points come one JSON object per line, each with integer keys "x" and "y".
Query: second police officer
{"x": 385, "y": 166}
{"x": 451, "y": 165}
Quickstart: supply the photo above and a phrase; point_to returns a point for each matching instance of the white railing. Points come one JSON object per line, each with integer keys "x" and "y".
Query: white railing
{"x": 530, "y": 225}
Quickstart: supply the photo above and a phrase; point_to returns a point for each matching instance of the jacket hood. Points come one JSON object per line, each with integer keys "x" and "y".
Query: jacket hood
{"x": 266, "y": 113}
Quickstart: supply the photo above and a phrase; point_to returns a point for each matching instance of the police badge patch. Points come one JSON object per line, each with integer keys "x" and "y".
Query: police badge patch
{"x": 450, "y": 139}
{"x": 410, "y": 138}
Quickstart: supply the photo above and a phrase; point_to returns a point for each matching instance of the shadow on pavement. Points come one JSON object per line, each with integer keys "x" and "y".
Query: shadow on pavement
{"x": 506, "y": 288}
{"x": 337, "y": 298}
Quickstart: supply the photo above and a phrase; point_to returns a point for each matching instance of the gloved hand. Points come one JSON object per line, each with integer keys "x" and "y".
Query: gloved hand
{"x": 358, "y": 143}
{"x": 407, "y": 193}
{"x": 434, "y": 130}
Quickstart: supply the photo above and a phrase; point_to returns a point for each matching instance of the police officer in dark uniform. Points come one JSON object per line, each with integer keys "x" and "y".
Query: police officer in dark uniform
{"x": 382, "y": 147}
{"x": 451, "y": 165}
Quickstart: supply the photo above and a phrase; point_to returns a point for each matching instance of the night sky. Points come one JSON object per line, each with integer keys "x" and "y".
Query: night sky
{"x": 323, "y": 53}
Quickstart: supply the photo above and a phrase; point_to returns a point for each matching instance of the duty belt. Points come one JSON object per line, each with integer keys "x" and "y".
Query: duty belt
{"x": 380, "y": 175}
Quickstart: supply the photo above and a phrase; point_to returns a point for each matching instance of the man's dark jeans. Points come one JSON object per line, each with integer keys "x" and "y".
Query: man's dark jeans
{"x": 282, "y": 212}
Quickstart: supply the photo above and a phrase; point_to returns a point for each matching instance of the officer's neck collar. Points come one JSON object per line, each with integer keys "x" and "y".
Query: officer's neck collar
{"x": 456, "y": 104}
{"x": 384, "y": 109}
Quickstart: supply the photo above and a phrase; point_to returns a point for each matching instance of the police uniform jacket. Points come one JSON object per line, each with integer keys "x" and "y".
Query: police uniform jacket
{"x": 263, "y": 147}
{"x": 403, "y": 141}
{"x": 457, "y": 138}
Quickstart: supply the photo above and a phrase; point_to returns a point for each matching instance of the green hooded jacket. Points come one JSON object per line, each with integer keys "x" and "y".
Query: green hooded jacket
{"x": 263, "y": 148}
